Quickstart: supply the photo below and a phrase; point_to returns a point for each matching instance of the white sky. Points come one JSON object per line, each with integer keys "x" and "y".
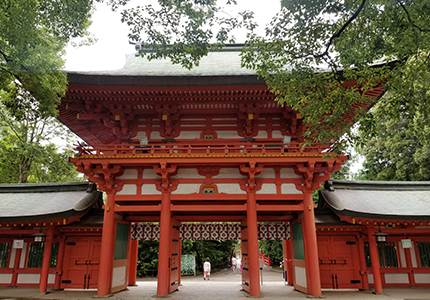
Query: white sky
{"x": 108, "y": 53}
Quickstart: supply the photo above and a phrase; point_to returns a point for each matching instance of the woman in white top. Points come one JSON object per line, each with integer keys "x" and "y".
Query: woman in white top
{"x": 207, "y": 269}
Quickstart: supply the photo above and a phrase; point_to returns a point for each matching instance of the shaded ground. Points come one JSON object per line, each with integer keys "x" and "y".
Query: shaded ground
{"x": 222, "y": 285}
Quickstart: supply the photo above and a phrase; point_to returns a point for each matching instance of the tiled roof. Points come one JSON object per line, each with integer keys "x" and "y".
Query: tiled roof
{"x": 379, "y": 200}
{"x": 25, "y": 202}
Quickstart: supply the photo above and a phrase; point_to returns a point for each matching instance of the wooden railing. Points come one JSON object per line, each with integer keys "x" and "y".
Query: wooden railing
{"x": 265, "y": 259}
{"x": 263, "y": 148}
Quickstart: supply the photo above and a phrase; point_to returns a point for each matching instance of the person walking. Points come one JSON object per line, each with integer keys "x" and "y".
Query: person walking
{"x": 234, "y": 263}
{"x": 206, "y": 269}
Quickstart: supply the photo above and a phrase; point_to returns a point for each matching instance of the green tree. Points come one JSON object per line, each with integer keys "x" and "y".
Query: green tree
{"x": 33, "y": 34}
{"x": 272, "y": 249}
{"x": 395, "y": 146}
{"x": 27, "y": 153}
{"x": 307, "y": 52}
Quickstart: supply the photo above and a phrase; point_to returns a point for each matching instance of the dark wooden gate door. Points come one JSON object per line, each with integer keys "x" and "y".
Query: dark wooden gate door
{"x": 174, "y": 257}
{"x": 81, "y": 263}
{"x": 339, "y": 262}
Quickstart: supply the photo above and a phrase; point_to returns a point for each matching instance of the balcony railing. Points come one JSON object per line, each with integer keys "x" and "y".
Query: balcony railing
{"x": 256, "y": 149}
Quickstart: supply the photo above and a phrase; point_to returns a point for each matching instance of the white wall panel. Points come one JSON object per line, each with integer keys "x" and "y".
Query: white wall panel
{"x": 128, "y": 174}
{"x": 402, "y": 254}
{"x": 277, "y": 134}
{"x": 155, "y": 135}
{"x": 118, "y": 276}
{"x": 189, "y": 135}
{"x": 6, "y": 278}
{"x": 12, "y": 258}
{"x": 262, "y": 134}
{"x": 28, "y": 278}
{"x": 422, "y": 277}
{"x": 267, "y": 173}
{"x": 188, "y": 173}
{"x": 150, "y": 174}
{"x": 228, "y": 135}
{"x": 23, "y": 256}
{"x": 149, "y": 189}
{"x": 289, "y": 188}
{"x": 267, "y": 188}
{"x": 300, "y": 275}
{"x": 185, "y": 188}
{"x": 289, "y": 173}
{"x": 230, "y": 188}
{"x": 128, "y": 189}
{"x": 370, "y": 278}
{"x": 396, "y": 278}
{"x": 229, "y": 173}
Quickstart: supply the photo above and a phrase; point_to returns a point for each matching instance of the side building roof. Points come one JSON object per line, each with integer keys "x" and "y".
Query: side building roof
{"x": 37, "y": 202}
{"x": 382, "y": 200}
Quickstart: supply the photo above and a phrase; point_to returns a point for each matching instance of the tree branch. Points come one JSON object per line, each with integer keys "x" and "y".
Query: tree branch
{"x": 410, "y": 19}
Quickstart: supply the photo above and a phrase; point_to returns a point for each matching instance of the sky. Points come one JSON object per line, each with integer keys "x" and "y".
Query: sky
{"x": 108, "y": 53}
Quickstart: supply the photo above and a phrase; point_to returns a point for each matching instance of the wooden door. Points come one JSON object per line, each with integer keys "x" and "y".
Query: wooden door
{"x": 81, "y": 263}
{"x": 245, "y": 259}
{"x": 339, "y": 262}
{"x": 174, "y": 257}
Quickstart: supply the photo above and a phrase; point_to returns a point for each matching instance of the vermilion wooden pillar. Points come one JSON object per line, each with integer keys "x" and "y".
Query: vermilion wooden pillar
{"x": 251, "y": 214}
{"x": 363, "y": 267}
{"x": 180, "y": 261}
{"x": 107, "y": 246}
{"x": 43, "y": 284}
{"x": 60, "y": 259}
{"x": 311, "y": 248}
{"x": 132, "y": 262}
{"x": 374, "y": 257}
{"x": 164, "y": 246}
{"x": 288, "y": 261}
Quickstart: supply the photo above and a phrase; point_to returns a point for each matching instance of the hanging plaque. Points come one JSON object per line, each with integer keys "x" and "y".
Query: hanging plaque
{"x": 18, "y": 244}
{"x": 406, "y": 243}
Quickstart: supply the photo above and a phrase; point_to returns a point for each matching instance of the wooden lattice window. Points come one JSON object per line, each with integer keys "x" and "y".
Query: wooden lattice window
{"x": 387, "y": 252}
{"x": 35, "y": 255}
{"x": 4, "y": 254}
{"x": 424, "y": 254}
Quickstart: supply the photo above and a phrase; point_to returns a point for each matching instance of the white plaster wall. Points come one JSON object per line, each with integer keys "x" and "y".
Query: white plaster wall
{"x": 230, "y": 188}
{"x": 413, "y": 256}
{"x": 262, "y": 134}
{"x": 51, "y": 278}
{"x": 28, "y": 278}
{"x": 5, "y": 278}
{"x": 12, "y": 258}
{"x": 189, "y": 135}
{"x": 229, "y": 173}
{"x": 267, "y": 173}
{"x": 140, "y": 134}
{"x": 118, "y": 276}
{"x": 228, "y": 134}
{"x": 276, "y": 134}
{"x": 422, "y": 277}
{"x": 289, "y": 188}
{"x": 402, "y": 254}
{"x": 149, "y": 189}
{"x": 396, "y": 278}
{"x": 150, "y": 174}
{"x": 185, "y": 188}
{"x": 23, "y": 254}
{"x": 128, "y": 189}
{"x": 289, "y": 173}
{"x": 370, "y": 278}
{"x": 128, "y": 174}
{"x": 300, "y": 273}
{"x": 188, "y": 173}
{"x": 155, "y": 135}
{"x": 267, "y": 188}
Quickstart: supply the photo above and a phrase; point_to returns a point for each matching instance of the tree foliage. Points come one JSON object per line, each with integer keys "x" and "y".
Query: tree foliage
{"x": 218, "y": 251}
{"x": 27, "y": 153}
{"x": 33, "y": 34}
{"x": 395, "y": 146}
{"x": 272, "y": 249}
{"x": 307, "y": 52}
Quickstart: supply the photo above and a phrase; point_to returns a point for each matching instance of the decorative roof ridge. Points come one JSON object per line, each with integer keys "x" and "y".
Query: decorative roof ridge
{"x": 47, "y": 187}
{"x": 334, "y": 184}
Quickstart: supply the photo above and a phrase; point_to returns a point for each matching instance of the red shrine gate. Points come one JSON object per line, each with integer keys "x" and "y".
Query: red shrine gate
{"x": 199, "y": 148}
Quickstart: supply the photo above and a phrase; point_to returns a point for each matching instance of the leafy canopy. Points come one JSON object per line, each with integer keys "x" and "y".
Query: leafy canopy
{"x": 307, "y": 52}
{"x": 33, "y": 34}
